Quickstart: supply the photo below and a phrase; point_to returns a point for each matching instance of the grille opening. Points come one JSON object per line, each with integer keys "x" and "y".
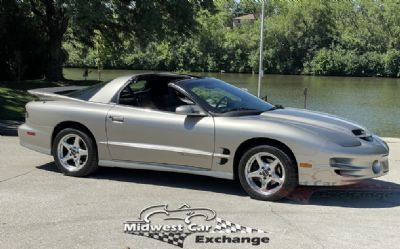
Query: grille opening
{"x": 224, "y": 160}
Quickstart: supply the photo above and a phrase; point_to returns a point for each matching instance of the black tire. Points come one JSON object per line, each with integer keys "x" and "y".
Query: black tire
{"x": 290, "y": 169}
{"x": 91, "y": 164}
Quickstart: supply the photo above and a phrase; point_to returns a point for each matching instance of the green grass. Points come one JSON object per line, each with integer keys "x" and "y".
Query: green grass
{"x": 14, "y": 95}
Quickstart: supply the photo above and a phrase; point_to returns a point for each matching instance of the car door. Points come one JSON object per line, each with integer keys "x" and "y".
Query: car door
{"x": 143, "y": 135}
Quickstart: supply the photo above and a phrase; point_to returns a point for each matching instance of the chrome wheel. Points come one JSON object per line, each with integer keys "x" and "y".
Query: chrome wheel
{"x": 264, "y": 173}
{"x": 72, "y": 152}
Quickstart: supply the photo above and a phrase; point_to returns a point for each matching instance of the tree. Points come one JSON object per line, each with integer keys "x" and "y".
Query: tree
{"x": 297, "y": 33}
{"x": 357, "y": 37}
{"x": 140, "y": 20}
{"x": 21, "y": 42}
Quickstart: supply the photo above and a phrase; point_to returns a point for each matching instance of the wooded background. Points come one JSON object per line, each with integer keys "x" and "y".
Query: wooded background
{"x": 344, "y": 37}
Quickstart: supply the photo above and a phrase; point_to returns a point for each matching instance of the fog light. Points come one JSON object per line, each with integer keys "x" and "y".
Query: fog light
{"x": 377, "y": 167}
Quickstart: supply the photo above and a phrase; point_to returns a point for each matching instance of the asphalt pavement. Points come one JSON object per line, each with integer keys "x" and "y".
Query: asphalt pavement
{"x": 41, "y": 208}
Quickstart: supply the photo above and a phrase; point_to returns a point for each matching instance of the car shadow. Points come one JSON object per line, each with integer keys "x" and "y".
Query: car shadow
{"x": 159, "y": 178}
{"x": 372, "y": 193}
{"x": 367, "y": 194}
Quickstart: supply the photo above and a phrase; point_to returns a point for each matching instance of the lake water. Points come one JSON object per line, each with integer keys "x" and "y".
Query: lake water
{"x": 372, "y": 102}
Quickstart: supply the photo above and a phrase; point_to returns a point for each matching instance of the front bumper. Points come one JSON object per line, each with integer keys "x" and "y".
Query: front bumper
{"x": 334, "y": 165}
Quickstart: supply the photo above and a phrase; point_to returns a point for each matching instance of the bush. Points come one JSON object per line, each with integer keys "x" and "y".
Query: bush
{"x": 339, "y": 62}
{"x": 392, "y": 63}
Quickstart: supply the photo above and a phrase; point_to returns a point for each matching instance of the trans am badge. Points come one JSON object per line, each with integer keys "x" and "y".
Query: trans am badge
{"x": 173, "y": 226}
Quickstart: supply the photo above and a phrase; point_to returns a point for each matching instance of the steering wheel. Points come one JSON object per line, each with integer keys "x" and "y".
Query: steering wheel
{"x": 225, "y": 98}
{"x": 130, "y": 94}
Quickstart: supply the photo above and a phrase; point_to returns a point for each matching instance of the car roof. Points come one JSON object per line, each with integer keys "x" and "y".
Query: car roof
{"x": 106, "y": 94}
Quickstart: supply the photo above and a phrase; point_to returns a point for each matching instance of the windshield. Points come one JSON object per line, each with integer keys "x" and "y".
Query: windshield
{"x": 86, "y": 93}
{"x": 222, "y": 98}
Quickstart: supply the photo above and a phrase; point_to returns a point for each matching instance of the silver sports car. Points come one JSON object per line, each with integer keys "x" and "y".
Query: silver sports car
{"x": 198, "y": 125}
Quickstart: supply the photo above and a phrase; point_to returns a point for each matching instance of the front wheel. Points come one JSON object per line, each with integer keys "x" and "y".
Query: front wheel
{"x": 74, "y": 152}
{"x": 267, "y": 173}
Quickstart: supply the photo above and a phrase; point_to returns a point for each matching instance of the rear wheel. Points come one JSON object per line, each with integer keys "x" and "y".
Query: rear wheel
{"x": 267, "y": 173}
{"x": 75, "y": 152}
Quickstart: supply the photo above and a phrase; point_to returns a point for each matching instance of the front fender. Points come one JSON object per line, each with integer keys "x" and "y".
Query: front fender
{"x": 230, "y": 133}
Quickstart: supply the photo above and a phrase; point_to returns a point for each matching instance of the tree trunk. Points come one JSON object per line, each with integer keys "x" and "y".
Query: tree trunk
{"x": 54, "y": 17}
{"x": 54, "y": 71}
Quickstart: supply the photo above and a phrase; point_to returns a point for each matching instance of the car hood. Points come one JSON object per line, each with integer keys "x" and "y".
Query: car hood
{"x": 316, "y": 121}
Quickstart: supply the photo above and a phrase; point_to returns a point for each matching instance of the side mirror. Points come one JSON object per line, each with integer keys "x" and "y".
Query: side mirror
{"x": 190, "y": 110}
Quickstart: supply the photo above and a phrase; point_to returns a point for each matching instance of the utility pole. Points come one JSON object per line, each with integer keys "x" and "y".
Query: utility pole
{"x": 98, "y": 65}
{"x": 261, "y": 67}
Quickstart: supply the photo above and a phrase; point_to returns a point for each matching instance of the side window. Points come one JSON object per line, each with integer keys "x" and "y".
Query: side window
{"x": 134, "y": 94}
{"x": 138, "y": 86}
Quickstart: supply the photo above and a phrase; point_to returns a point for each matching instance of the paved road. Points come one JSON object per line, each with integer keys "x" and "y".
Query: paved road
{"x": 41, "y": 208}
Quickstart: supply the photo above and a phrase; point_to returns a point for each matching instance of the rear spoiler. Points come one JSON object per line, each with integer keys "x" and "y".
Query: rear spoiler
{"x": 55, "y": 93}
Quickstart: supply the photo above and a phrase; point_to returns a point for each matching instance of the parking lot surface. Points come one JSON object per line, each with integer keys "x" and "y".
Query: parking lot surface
{"x": 41, "y": 208}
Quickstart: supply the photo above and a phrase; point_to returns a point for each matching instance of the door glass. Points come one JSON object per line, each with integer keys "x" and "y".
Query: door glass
{"x": 138, "y": 86}
{"x": 214, "y": 95}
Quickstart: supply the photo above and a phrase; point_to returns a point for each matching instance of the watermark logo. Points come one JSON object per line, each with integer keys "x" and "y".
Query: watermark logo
{"x": 173, "y": 226}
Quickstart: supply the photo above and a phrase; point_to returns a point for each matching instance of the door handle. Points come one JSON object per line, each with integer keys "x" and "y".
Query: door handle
{"x": 118, "y": 119}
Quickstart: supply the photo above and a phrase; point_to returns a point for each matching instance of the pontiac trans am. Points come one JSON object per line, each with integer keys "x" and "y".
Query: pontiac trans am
{"x": 198, "y": 125}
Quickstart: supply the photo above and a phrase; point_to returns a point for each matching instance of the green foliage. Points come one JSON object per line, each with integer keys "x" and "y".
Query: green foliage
{"x": 392, "y": 63}
{"x": 355, "y": 38}
{"x": 93, "y": 26}
{"x": 358, "y": 37}
{"x": 344, "y": 62}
